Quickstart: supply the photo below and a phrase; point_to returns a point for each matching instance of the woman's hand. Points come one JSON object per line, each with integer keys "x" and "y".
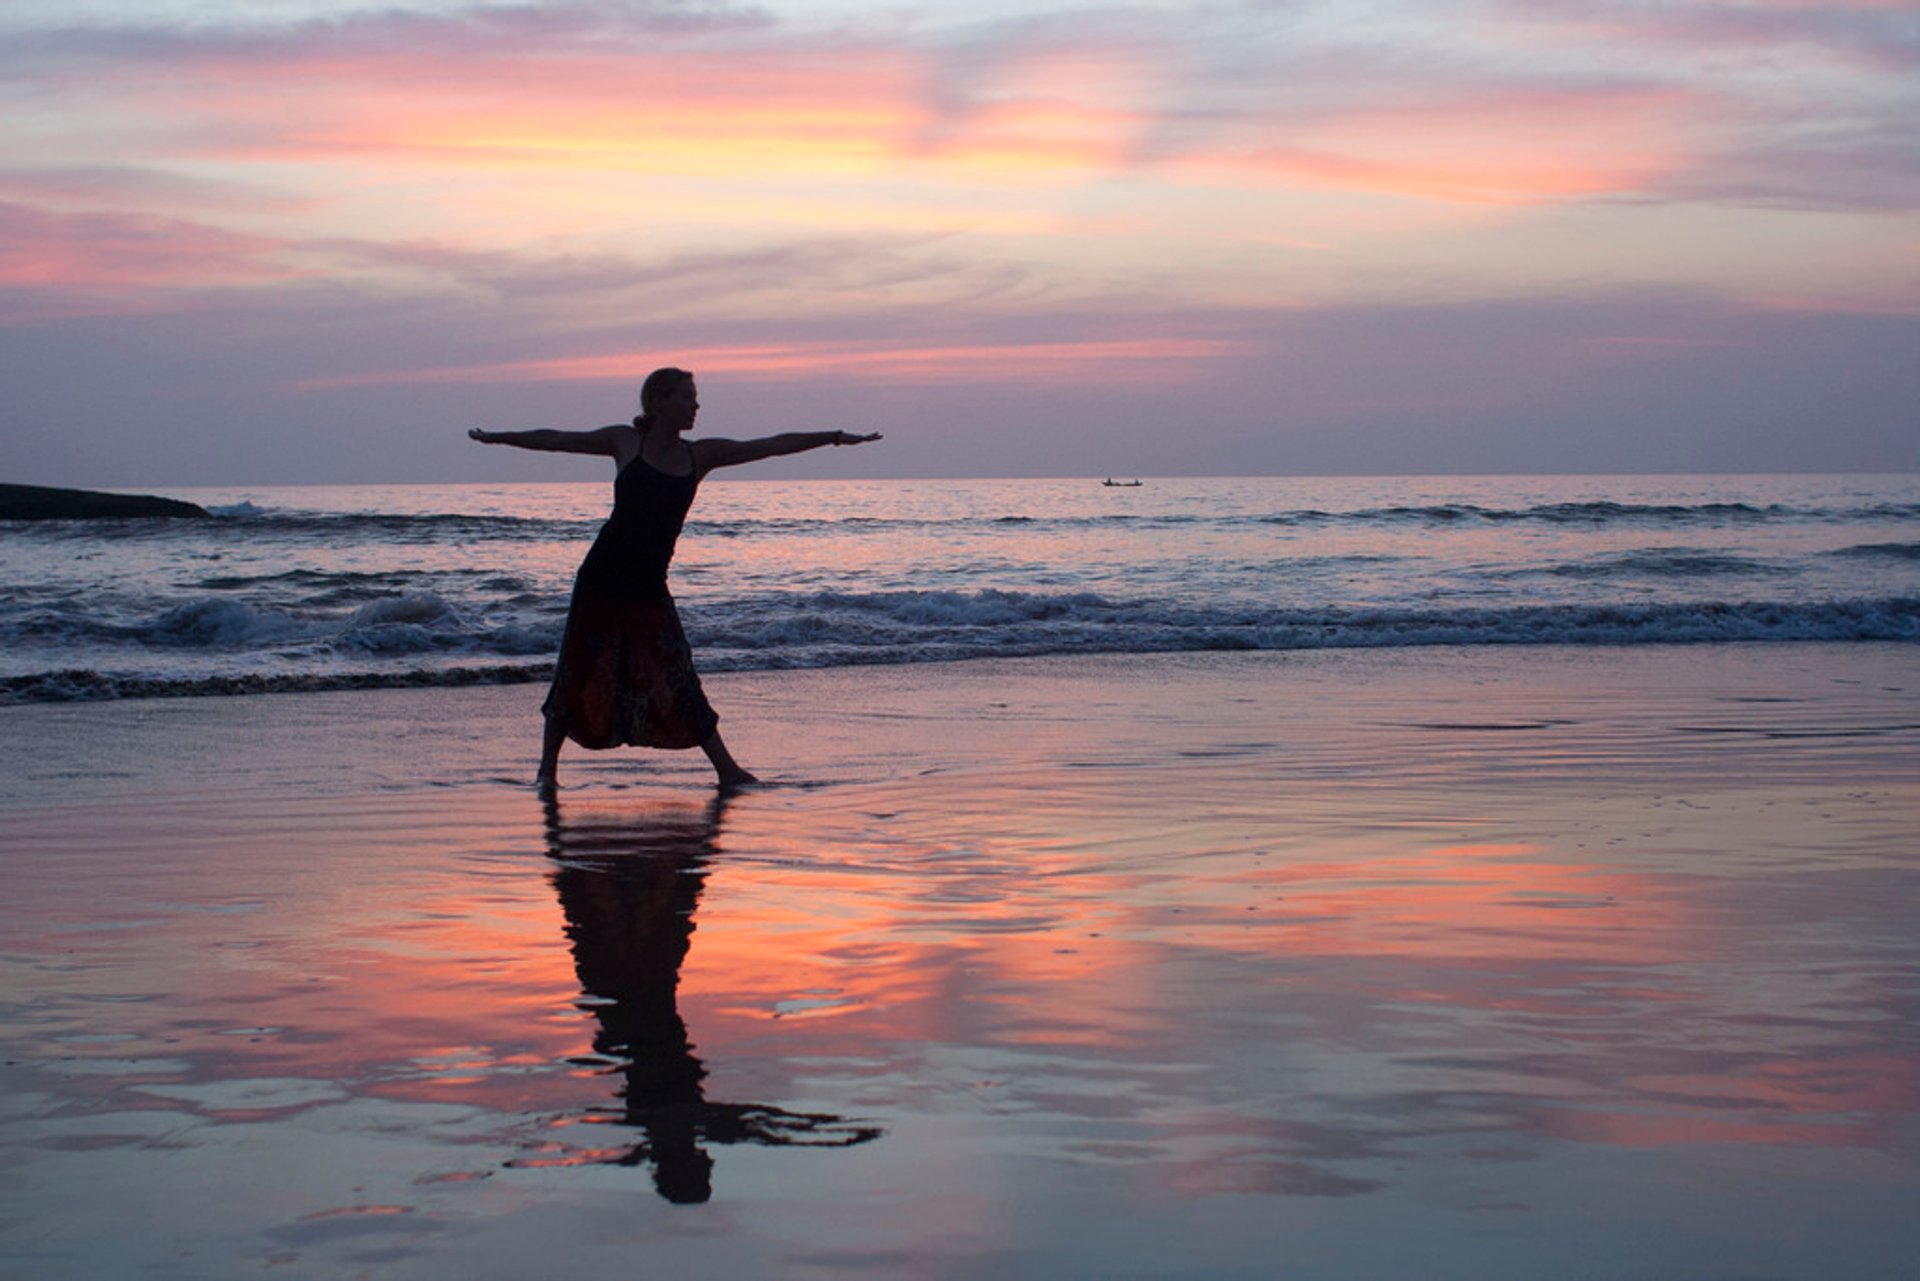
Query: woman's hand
{"x": 484, "y": 437}
{"x": 848, "y": 438}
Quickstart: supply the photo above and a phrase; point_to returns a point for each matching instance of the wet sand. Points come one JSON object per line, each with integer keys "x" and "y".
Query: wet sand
{"x": 1489, "y": 963}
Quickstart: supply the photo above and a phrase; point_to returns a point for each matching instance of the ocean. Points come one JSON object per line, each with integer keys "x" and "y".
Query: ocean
{"x": 323, "y": 587}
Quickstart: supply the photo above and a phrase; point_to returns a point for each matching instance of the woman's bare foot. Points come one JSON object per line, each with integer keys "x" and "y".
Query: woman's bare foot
{"x": 731, "y": 772}
{"x": 547, "y": 781}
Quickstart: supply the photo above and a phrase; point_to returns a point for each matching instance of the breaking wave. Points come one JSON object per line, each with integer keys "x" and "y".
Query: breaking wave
{"x": 381, "y": 644}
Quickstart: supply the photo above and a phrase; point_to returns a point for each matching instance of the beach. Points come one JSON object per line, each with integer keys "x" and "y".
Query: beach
{"x": 1442, "y": 962}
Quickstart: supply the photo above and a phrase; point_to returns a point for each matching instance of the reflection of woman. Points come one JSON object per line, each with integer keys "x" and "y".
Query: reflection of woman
{"x": 629, "y": 891}
{"x": 625, "y": 674}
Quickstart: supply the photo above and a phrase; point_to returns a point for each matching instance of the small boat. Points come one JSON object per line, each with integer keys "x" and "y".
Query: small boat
{"x": 1111, "y": 483}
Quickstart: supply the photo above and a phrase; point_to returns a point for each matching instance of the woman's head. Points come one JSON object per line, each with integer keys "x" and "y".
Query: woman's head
{"x": 662, "y": 387}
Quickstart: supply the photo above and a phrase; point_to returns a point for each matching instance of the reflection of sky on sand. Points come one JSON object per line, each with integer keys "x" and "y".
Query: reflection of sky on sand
{"x": 1232, "y": 1003}
{"x": 1255, "y": 1007}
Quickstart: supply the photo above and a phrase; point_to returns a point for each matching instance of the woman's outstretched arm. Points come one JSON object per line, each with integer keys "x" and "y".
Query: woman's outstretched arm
{"x": 731, "y": 453}
{"x": 603, "y": 440}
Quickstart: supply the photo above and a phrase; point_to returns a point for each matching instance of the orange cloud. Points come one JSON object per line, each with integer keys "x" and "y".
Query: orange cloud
{"x": 851, "y": 111}
{"x": 843, "y": 117}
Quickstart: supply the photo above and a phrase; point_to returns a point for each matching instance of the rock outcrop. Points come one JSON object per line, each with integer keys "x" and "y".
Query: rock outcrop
{"x": 39, "y": 502}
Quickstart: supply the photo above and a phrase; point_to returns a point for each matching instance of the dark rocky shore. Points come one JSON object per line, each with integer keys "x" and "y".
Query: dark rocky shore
{"x": 39, "y": 502}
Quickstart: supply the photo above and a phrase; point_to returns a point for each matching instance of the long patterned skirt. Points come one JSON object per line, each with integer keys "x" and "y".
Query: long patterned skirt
{"x": 625, "y": 676}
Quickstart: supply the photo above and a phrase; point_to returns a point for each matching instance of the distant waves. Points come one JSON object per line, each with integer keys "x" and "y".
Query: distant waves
{"x": 335, "y": 587}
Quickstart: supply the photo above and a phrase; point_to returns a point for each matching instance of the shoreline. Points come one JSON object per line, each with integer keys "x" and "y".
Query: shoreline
{"x": 1547, "y": 691}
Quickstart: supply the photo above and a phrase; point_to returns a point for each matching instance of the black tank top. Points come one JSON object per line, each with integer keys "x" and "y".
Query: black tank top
{"x": 629, "y": 559}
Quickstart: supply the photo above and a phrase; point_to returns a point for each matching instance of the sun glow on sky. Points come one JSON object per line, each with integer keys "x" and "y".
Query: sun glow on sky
{"x": 1158, "y": 194}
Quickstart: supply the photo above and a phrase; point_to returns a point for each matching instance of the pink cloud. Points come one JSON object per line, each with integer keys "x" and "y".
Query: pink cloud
{"x": 1484, "y": 117}
{"x": 112, "y": 263}
{"x": 1492, "y": 146}
{"x": 1129, "y": 359}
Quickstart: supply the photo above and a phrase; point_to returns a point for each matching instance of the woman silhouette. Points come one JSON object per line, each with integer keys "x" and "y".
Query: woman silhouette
{"x": 625, "y": 673}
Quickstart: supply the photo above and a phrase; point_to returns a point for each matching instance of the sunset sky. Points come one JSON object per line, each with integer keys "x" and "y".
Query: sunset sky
{"x": 287, "y": 241}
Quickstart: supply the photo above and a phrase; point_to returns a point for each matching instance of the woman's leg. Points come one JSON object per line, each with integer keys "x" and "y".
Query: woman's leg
{"x": 548, "y": 780}
{"x": 730, "y": 771}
